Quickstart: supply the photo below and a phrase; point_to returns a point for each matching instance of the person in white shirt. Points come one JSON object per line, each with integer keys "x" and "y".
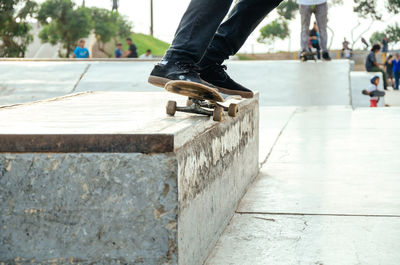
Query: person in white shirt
{"x": 146, "y": 55}
{"x": 320, "y": 9}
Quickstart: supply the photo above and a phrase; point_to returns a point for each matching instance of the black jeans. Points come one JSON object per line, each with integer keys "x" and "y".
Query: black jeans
{"x": 201, "y": 38}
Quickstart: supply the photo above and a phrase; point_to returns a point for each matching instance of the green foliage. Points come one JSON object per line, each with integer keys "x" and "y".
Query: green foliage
{"x": 277, "y": 29}
{"x": 377, "y": 37}
{"x": 393, "y": 33}
{"x": 64, "y": 23}
{"x": 107, "y": 26}
{"x": 367, "y": 9}
{"x": 14, "y": 27}
{"x": 393, "y": 6}
{"x": 288, "y": 9}
{"x": 144, "y": 42}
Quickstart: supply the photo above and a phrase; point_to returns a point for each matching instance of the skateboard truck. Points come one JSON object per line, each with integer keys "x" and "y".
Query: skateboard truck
{"x": 203, "y": 107}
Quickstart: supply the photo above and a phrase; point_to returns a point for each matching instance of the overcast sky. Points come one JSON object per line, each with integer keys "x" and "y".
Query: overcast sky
{"x": 167, "y": 14}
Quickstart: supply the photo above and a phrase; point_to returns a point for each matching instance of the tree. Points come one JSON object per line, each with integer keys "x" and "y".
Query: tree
{"x": 393, "y": 33}
{"x": 377, "y": 37}
{"x": 288, "y": 9}
{"x": 393, "y": 6}
{"x": 277, "y": 29}
{"x": 367, "y": 9}
{"x": 107, "y": 26}
{"x": 14, "y": 27}
{"x": 64, "y": 23}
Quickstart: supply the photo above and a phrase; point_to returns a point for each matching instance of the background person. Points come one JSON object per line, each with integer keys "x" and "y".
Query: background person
{"x": 118, "y": 51}
{"x": 320, "y": 9}
{"x": 372, "y": 66}
{"x": 132, "y": 50}
{"x": 314, "y": 36}
{"x": 146, "y": 55}
{"x": 389, "y": 69}
{"x": 373, "y": 88}
{"x": 396, "y": 71}
{"x": 81, "y": 52}
{"x": 385, "y": 45}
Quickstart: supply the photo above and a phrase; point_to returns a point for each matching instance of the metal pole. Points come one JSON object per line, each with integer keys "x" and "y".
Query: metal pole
{"x": 151, "y": 18}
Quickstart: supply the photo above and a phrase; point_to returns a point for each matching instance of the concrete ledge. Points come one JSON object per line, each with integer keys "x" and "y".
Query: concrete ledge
{"x": 109, "y": 178}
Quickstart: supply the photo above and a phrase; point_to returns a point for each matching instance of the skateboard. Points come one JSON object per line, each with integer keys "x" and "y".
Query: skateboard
{"x": 375, "y": 93}
{"x": 201, "y": 100}
{"x": 305, "y": 56}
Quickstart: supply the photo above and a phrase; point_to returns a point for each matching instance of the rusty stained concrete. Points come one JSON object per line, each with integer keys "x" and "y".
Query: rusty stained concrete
{"x": 101, "y": 208}
{"x": 110, "y": 207}
{"x": 214, "y": 171}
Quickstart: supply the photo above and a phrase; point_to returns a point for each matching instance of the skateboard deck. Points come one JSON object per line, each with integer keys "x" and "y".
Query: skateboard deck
{"x": 201, "y": 100}
{"x": 194, "y": 90}
{"x": 305, "y": 56}
{"x": 376, "y": 93}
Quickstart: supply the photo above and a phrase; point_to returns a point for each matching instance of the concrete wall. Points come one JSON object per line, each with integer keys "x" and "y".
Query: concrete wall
{"x": 116, "y": 205}
{"x": 88, "y": 208}
{"x": 214, "y": 171}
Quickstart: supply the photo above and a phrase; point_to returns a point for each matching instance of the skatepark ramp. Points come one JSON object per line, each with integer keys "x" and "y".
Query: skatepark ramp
{"x": 280, "y": 83}
{"x": 109, "y": 178}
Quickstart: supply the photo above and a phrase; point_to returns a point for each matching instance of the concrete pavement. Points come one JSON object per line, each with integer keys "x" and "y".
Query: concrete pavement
{"x": 329, "y": 193}
{"x": 281, "y": 83}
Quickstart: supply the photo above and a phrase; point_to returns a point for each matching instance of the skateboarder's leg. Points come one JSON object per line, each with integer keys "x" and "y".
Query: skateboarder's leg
{"x": 194, "y": 34}
{"x": 245, "y": 16}
{"x": 196, "y": 29}
{"x": 321, "y": 15}
{"x": 305, "y": 13}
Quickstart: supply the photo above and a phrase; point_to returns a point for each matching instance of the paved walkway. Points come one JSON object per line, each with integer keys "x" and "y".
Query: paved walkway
{"x": 280, "y": 83}
{"x": 329, "y": 193}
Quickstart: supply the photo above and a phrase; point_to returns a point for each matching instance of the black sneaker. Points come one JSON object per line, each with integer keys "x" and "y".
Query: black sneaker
{"x": 326, "y": 57}
{"x": 215, "y": 74}
{"x": 163, "y": 73}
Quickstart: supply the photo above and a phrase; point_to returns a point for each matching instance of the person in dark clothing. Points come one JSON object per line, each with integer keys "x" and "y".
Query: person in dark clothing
{"x": 389, "y": 69}
{"x": 396, "y": 71}
{"x": 314, "y": 36}
{"x": 132, "y": 50}
{"x": 372, "y": 66}
{"x": 202, "y": 43}
{"x": 385, "y": 45}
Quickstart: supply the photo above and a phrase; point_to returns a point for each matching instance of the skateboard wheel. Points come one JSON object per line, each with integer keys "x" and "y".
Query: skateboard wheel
{"x": 233, "y": 109}
{"x": 171, "y": 108}
{"x": 189, "y": 102}
{"x": 217, "y": 113}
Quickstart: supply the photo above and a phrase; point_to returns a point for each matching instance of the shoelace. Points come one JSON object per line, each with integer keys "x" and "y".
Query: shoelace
{"x": 188, "y": 67}
{"x": 221, "y": 68}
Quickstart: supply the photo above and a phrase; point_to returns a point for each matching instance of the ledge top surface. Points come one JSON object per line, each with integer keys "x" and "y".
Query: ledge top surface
{"x": 99, "y": 122}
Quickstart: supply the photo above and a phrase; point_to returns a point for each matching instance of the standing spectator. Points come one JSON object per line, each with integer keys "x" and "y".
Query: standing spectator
{"x": 372, "y": 66}
{"x": 146, "y": 55}
{"x": 132, "y": 51}
{"x": 365, "y": 43}
{"x": 314, "y": 36}
{"x": 385, "y": 45}
{"x": 320, "y": 9}
{"x": 389, "y": 69}
{"x": 345, "y": 45}
{"x": 396, "y": 71}
{"x": 118, "y": 51}
{"x": 81, "y": 52}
